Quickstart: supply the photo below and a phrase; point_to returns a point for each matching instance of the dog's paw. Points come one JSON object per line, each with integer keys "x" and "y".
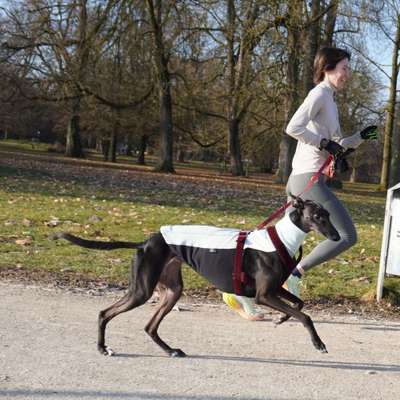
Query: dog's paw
{"x": 321, "y": 347}
{"x": 177, "y": 353}
{"x": 323, "y": 350}
{"x": 106, "y": 351}
{"x": 281, "y": 320}
{"x": 110, "y": 351}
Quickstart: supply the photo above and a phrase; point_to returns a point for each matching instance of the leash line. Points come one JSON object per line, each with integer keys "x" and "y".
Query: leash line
{"x": 310, "y": 183}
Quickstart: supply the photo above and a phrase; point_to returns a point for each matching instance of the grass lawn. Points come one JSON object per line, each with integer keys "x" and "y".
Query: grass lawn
{"x": 42, "y": 193}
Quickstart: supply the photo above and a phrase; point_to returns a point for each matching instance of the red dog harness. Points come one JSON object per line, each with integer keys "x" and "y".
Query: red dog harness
{"x": 240, "y": 278}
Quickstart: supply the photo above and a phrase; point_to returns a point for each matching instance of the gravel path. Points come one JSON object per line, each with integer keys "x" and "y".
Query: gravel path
{"x": 48, "y": 351}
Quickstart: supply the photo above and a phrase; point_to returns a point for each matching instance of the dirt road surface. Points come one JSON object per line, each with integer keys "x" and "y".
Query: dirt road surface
{"x": 48, "y": 351}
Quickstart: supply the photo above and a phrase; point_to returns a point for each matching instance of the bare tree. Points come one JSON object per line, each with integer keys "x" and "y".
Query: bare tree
{"x": 51, "y": 42}
{"x": 313, "y": 39}
{"x": 294, "y": 25}
{"x": 159, "y": 13}
{"x": 390, "y": 164}
{"x": 385, "y": 16}
{"x": 235, "y": 30}
{"x": 330, "y": 23}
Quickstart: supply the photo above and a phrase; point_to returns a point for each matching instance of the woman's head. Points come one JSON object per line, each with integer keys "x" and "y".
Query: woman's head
{"x": 333, "y": 64}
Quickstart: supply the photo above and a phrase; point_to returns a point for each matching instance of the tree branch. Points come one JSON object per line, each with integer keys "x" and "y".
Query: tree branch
{"x": 115, "y": 105}
{"x": 203, "y": 112}
{"x": 197, "y": 140}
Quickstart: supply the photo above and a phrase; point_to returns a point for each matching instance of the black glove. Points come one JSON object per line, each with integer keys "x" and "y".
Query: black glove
{"x": 331, "y": 147}
{"x": 370, "y": 132}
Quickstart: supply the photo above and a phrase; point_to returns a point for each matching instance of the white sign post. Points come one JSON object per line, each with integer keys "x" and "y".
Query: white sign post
{"x": 390, "y": 251}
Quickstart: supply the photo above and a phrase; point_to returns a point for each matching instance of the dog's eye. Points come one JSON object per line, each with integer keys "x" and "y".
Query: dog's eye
{"x": 317, "y": 217}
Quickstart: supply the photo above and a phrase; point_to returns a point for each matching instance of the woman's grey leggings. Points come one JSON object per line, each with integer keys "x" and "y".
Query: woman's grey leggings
{"x": 339, "y": 217}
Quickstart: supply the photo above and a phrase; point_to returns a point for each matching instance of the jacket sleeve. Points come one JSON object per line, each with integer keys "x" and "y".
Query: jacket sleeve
{"x": 352, "y": 141}
{"x": 297, "y": 127}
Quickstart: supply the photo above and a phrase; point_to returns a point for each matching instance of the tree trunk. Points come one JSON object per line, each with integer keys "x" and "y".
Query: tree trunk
{"x": 73, "y": 146}
{"x": 105, "y": 148}
{"x": 390, "y": 109}
{"x": 112, "y": 150}
{"x": 313, "y": 39}
{"x": 91, "y": 141}
{"x": 180, "y": 155}
{"x": 234, "y": 148}
{"x": 330, "y": 23}
{"x": 161, "y": 62}
{"x": 142, "y": 150}
{"x": 288, "y": 144}
{"x": 166, "y": 162}
{"x": 287, "y": 149}
{"x": 129, "y": 148}
{"x": 98, "y": 146}
{"x": 233, "y": 121}
{"x": 394, "y": 174}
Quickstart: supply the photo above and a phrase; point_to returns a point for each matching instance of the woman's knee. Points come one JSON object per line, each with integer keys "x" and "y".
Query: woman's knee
{"x": 348, "y": 238}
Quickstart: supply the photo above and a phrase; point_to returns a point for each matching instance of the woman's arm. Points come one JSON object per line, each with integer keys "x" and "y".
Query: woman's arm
{"x": 297, "y": 127}
{"x": 351, "y": 142}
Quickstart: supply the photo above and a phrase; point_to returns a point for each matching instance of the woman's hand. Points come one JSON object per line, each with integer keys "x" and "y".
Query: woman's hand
{"x": 369, "y": 133}
{"x": 331, "y": 147}
{"x": 341, "y": 164}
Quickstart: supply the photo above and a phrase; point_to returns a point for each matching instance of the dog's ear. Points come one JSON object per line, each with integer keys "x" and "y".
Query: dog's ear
{"x": 297, "y": 202}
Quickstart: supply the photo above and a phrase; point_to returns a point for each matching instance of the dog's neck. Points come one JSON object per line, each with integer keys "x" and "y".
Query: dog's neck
{"x": 290, "y": 234}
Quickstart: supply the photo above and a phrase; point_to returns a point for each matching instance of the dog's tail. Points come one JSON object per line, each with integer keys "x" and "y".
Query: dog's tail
{"x": 96, "y": 244}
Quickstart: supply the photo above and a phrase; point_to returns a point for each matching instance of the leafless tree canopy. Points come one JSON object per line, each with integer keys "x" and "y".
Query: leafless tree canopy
{"x": 196, "y": 79}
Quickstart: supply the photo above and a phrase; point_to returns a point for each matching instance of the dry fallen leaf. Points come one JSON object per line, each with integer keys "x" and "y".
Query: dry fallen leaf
{"x": 53, "y": 222}
{"x": 24, "y": 242}
{"x": 26, "y": 222}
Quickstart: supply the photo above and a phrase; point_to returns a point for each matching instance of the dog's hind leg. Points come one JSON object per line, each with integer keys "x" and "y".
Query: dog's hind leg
{"x": 105, "y": 316}
{"x": 146, "y": 272}
{"x": 170, "y": 286}
{"x": 128, "y": 302}
{"x": 297, "y": 303}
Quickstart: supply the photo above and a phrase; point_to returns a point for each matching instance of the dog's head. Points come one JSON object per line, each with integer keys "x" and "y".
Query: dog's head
{"x": 311, "y": 216}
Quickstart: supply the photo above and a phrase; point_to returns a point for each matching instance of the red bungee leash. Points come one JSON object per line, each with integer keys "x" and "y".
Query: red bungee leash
{"x": 311, "y": 182}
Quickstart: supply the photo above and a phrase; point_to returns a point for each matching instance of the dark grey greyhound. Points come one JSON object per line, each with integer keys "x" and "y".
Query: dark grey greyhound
{"x": 156, "y": 264}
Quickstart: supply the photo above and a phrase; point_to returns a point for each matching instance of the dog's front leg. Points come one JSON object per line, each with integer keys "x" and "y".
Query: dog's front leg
{"x": 297, "y": 303}
{"x": 276, "y": 303}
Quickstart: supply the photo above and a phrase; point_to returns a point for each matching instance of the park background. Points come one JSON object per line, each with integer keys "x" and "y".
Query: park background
{"x": 119, "y": 116}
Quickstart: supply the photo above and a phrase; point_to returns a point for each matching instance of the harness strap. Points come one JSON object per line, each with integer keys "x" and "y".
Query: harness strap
{"x": 289, "y": 262}
{"x": 298, "y": 259}
{"x": 238, "y": 276}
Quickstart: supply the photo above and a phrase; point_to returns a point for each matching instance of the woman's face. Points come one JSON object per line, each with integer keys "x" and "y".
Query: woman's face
{"x": 340, "y": 75}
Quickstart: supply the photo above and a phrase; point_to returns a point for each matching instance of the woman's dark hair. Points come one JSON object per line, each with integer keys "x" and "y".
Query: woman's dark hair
{"x": 326, "y": 59}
